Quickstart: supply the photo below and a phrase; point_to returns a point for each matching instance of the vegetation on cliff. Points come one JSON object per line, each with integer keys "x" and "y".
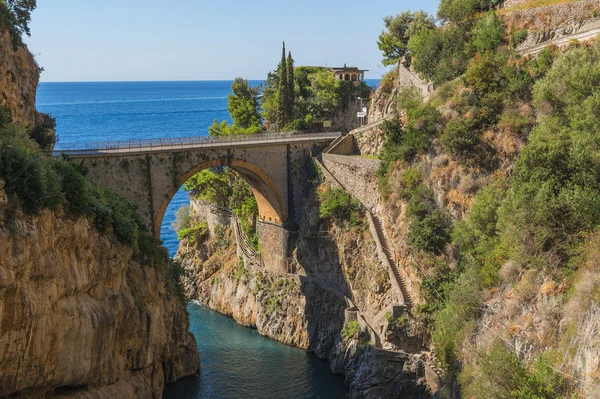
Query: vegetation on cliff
{"x": 38, "y": 181}
{"x": 15, "y": 16}
{"x": 523, "y": 132}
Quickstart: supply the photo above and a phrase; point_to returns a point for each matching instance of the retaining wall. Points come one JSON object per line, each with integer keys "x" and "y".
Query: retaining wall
{"x": 357, "y": 175}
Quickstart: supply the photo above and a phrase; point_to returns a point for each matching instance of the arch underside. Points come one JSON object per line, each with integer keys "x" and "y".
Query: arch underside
{"x": 271, "y": 204}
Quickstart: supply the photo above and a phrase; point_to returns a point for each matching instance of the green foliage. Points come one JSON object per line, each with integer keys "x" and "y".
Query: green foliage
{"x": 5, "y": 117}
{"x": 403, "y": 143}
{"x": 500, "y": 374}
{"x": 244, "y": 107}
{"x": 571, "y": 80}
{"x": 440, "y": 54}
{"x": 15, "y": 15}
{"x": 351, "y": 330}
{"x": 461, "y": 310}
{"x": 461, "y": 138}
{"x": 388, "y": 81}
{"x": 316, "y": 95}
{"x": 393, "y": 42}
{"x": 284, "y": 92}
{"x": 431, "y": 233}
{"x": 337, "y": 204}
{"x": 210, "y": 186}
{"x": 30, "y": 178}
{"x": 194, "y": 234}
{"x": 40, "y": 182}
{"x": 463, "y": 12}
{"x": 182, "y": 219}
{"x": 44, "y": 132}
{"x": 488, "y": 33}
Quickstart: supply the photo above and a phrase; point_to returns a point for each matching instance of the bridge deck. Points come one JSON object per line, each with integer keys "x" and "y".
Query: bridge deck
{"x": 188, "y": 143}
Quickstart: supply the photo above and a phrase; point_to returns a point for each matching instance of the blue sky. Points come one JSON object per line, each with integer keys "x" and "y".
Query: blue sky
{"x": 114, "y": 40}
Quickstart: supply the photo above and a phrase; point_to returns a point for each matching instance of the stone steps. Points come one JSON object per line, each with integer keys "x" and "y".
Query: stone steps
{"x": 386, "y": 250}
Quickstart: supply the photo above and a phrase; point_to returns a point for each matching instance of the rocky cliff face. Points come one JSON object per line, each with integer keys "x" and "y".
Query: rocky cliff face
{"x": 309, "y": 309}
{"x": 80, "y": 318}
{"x": 19, "y": 77}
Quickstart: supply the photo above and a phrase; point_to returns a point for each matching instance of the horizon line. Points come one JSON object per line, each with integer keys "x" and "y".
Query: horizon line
{"x": 158, "y": 80}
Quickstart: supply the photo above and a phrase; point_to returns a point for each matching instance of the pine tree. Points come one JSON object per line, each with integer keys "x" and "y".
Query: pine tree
{"x": 282, "y": 98}
{"x": 290, "y": 88}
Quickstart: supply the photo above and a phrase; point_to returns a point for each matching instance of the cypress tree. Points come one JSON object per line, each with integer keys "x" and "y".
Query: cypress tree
{"x": 282, "y": 98}
{"x": 290, "y": 88}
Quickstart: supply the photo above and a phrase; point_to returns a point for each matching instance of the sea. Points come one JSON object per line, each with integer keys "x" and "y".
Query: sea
{"x": 236, "y": 362}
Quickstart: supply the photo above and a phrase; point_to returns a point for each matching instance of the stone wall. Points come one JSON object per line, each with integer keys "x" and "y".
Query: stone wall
{"x": 357, "y": 175}
{"x": 407, "y": 77}
{"x": 513, "y": 3}
{"x": 343, "y": 147}
{"x": 274, "y": 244}
{"x": 557, "y": 24}
{"x": 277, "y": 173}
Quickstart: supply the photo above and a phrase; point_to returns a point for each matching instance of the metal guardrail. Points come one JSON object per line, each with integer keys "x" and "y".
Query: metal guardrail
{"x": 127, "y": 146}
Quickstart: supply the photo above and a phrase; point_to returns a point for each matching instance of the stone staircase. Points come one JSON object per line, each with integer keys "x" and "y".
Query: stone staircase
{"x": 394, "y": 266}
{"x": 252, "y": 255}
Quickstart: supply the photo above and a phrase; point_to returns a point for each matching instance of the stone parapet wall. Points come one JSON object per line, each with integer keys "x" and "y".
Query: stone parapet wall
{"x": 358, "y": 176}
{"x": 556, "y": 24}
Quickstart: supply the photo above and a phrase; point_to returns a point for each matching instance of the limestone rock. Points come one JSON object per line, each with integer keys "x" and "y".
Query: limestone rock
{"x": 81, "y": 318}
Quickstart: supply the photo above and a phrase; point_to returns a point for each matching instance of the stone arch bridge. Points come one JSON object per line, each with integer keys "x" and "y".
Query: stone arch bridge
{"x": 149, "y": 173}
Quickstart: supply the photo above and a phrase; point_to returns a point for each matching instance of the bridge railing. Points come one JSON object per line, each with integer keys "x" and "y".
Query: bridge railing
{"x": 183, "y": 142}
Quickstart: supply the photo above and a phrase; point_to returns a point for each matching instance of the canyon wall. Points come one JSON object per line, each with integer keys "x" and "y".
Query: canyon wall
{"x": 80, "y": 317}
{"x": 19, "y": 77}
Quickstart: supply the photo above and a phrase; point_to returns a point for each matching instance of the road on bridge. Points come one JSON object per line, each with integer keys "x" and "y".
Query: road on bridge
{"x": 188, "y": 143}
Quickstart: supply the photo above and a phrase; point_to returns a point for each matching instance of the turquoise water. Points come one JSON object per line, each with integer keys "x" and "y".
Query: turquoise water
{"x": 236, "y": 361}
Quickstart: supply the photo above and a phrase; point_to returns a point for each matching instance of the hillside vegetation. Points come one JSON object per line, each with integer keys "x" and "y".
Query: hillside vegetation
{"x": 495, "y": 180}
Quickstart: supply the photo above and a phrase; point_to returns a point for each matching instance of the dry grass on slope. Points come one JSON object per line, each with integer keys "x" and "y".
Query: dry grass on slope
{"x": 529, "y": 4}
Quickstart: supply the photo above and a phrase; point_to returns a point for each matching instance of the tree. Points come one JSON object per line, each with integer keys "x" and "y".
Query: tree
{"x": 16, "y": 15}
{"x": 393, "y": 42}
{"x": 290, "y": 82}
{"x": 244, "y": 108}
{"x": 282, "y": 94}
{"x": 211, "y": 187}
{"x": 488, "y": 33}
{"x": 464, "y": 12}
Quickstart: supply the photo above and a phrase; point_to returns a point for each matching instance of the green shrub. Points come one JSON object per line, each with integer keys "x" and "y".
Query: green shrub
{"x": 518, "y": 36}
{"x": 194, "y": 233}
{"x": 351, "y": 330}
{"x": 440, "y": 54}
{"x": 29, "y": 178}
{"x": 450, "y": 323}
{"x": 411, "y": 179}
{"x": 464, "y": 11}
{"x": 461, "y": 138}
{"x": 5, "y": 117}
{"x": 488, "y": 33}
{"x": 44, "y": 132}
{"x": 388, "y": 81}
{"x": 338, "y": 205}
{"x": 421, "y": 202}
{"x": 431, "y": 233}
{"x": 78, "y": 190}
{"x": 500, "y": 374}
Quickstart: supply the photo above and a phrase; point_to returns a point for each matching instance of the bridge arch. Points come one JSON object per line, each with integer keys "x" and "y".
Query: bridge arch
{"x": 271, "y": 203}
